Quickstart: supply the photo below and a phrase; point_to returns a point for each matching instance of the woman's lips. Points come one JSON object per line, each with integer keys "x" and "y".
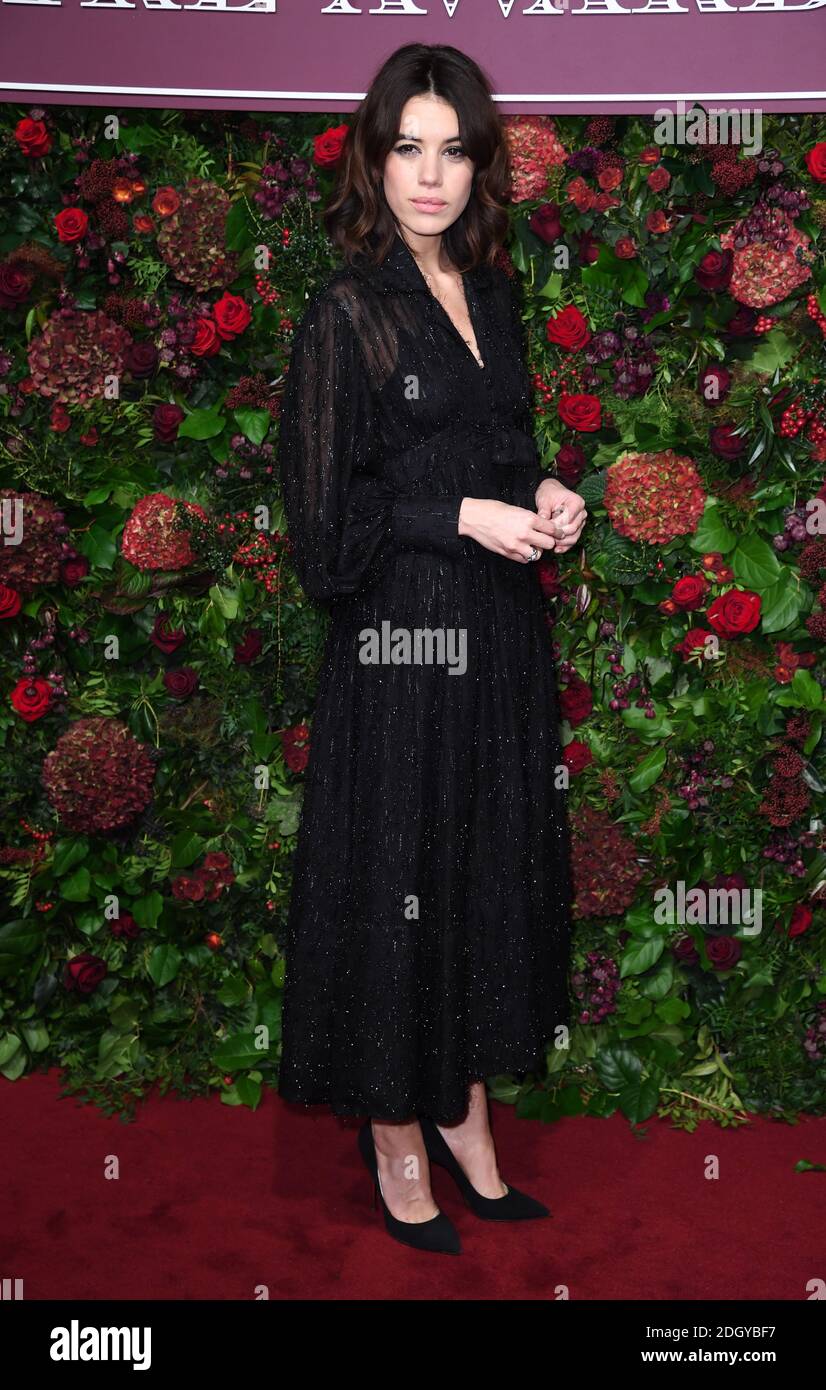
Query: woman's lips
{"x": 428, "y": 205}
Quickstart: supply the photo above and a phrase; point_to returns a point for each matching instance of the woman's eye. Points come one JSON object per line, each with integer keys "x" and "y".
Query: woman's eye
{"x": 455, "y": 151}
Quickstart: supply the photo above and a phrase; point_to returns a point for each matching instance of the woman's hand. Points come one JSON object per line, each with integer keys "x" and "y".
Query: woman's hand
{"x": 564, "y": 508}
{"x": 506, "y": 530}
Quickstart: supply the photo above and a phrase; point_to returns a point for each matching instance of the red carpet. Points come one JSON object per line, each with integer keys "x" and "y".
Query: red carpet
{"x": 213, "y": 1201}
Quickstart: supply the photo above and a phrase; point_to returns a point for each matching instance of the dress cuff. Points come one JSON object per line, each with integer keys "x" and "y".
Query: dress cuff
{"x": 428, "y": 523}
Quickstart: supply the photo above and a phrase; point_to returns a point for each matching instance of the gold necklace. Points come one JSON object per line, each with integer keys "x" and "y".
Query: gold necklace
{"x": 460, "y": 282}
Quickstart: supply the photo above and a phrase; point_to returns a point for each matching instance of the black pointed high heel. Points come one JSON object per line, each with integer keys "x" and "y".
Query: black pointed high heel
{"x": 513, "y": 1206}
{"x": 438, "y": 1234}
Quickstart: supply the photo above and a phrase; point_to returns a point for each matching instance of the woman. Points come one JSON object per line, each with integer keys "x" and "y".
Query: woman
{"x": 428, "y": 932}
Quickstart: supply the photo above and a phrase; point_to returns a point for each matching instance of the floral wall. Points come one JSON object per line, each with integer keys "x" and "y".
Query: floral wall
{"x": 158, "y": 659}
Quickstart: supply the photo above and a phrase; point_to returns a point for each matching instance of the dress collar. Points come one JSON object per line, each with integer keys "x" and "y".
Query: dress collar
{"x": 400, "y": 271}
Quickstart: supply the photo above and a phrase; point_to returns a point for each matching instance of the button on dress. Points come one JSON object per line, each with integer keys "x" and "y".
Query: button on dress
{"x": 428, "y": 934}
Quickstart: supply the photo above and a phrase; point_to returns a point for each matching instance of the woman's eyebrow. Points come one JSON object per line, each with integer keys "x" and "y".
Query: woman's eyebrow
{"x": 449, "y": 141}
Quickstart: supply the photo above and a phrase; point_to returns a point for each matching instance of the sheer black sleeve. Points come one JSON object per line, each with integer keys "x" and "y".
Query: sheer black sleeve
{"x": 344, "y": 522}
{"x": 529, "y": 481}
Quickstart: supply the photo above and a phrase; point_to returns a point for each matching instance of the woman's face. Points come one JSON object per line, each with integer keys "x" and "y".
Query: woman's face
{"x": 427, "y": 175}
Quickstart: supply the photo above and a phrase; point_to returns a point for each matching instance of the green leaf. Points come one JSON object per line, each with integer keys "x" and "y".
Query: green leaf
{"x": 225, "y": 600}
{"x": 639, "y": 956}
{"x": 75, "y": 888}
{"x": 781, "y": 605}
{"x": 621, "y": 561}
{"x": 185, "y": 849}
{"x": 592, "y": 488}
{"x": 68, "y": 853}
{"x": 803, "y": 691}
{"x": 774, "y": 351}
{"x": 18, "y": 939}
{"x": 646, "y": 772}
{"x": 202, "y": 424}
{"x": 551, "y": 288}
{"x": 253, "y": 424}
{"x": 755, "y": 564}
{"x": 712, "y": 533}
{"x": 164, "y": 964}
{"x": 239, "y": 1053}
{"x": 147, "y": 910}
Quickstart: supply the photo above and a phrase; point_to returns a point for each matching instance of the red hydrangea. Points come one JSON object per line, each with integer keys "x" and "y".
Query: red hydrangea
{"x": 35, "y": 560}
{"x": 98, "y": 777}
{"x": 604, "y": 864}
{"x": 654, "y": 496}
{"x": 150, "y": 540}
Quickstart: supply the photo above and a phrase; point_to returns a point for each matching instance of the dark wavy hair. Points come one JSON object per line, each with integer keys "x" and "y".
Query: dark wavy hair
{"x": 358, "y": 218}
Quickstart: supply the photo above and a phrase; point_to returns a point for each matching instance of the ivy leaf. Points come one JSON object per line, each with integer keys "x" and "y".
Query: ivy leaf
{"x": 164, "y": 964}
{"x": 253, "y": 424}
{"x": 755, "y": 564}
{"x": 712, "y": 533}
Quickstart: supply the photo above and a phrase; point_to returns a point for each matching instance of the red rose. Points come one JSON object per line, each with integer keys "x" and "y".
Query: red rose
{"x": 73, "y": 569}
{"x": 181, "y": 682}
{"x": 588, "y": 249}
{"x": 71, "y": 224}
{"x": 650, "y": 155}
{"x": 216, "y": 859}
{"x": 576, "y": 755}
{"x": 576, "y": 701}
{"x": 625, "y": 248}
{"x": 166, "y": 201}
{"x": 693, "y": 642}
{"x": 581, "y": 412}
{"x": 140, "y": 360}
{"x": 547, "y": 571}
{"x": 166, "y": 419}
{"x": 545, "y": 222}
{"x": 714, "y": 270}
{"x": 801, "y": 918}
{"x": 296, "y": 747}
{"x": 690, "y": 591}
{"x": 232, "y": 315}
{"x": 10, "y": 602}
{"x": 568, "y": 329}
{"x": 328, "y": 146}
{"x": 734, "y": 612}
{"x": 15, "y": 286}
{"x": 723, "y": 952}
{"x": 725, "y": 443}
{"x": 125, "y": 925}
{"x": 59, "y": 418}
{"x": 609, "y": 177}
{"x": 684, "y": 950}
{"x": 32, "y": 137}
{"x": 658, "y": 179}
{"x": 741, "y": 322}
{"x": 31, "y": 697}
{"x": 657, "y": 221}
{"x": 816, "y": 161}
{"x": 714, "y": 384}
{"x": 189, "y": 887}
{"x": 166, "y": 637}
{"x": 570, "y": 464}
{"x": 249, "y": 648}
{"x": 206, "y": 342}
{"x": 84, "y": 973}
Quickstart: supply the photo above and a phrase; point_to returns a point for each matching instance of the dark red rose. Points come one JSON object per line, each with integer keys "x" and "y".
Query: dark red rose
{"x": 816, "y": 161}
{"x": 741, "y": 323}
{"x": 10, "y": 602}
{"x": 83, "y": 973}
{"x": 684, "y": 950}
{"x": 580, "y": 411}
{"x": 249, "y": 648}
{"x": 568, "y": 329}
{"x": 727, "y": 881}
{"x": 73, "y": 569}
{"x": 714, "y": 384}
{"x": 547, "y": 571}
{"x": 31, "y": 697}
{"x": 71, "y": 224}
{"x": 166, "y": 419}
{"x": 714, "y": 270}
{"x": 723, "y": 951}
{"x": 690, "y": 591}
{"x": 588, "y": 249}
{"x": 546, "y": 222}
{"x": 125, "y": 926}
{"x": 658, "y": 221}
{"x": 180, "y": 682}
{"x": 206, "y": 342}
{"x": 734, "y": 612}
{"x": 141, "y": 360}
{"x": 212, "y": 884}
{"x": 625, "y": 247}
{"x": 296, "y": 747}
{"x": 802, "y": 915}
{"x": 32, "y": 137}
{"x": 725, "y": 443}
{"x": 576, "y": 755}
{"x": 217, "y": 859}
{"x": 189, "y": 887}
{"x": 166, "y": 201}
{"x": 328, "y": 146}
{"x": 15, "y": 286}
{"x": 232, "y": 315}
{"x": 166, "y": 637}
{"x": 658, "y": 179}
{"x": 570, "y": 464}
{"x": 694, "y": 641}
{"x": 576, "y": 701}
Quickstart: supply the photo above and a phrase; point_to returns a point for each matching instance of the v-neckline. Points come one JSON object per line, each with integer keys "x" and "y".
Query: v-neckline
{"x": 480, "y": 366}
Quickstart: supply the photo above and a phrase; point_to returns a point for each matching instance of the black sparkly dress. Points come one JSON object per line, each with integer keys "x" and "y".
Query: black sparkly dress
{"x": 429, "y": 924}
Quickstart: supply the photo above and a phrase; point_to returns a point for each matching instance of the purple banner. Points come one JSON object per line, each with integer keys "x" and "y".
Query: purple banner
{"x": 286, "y": 55}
